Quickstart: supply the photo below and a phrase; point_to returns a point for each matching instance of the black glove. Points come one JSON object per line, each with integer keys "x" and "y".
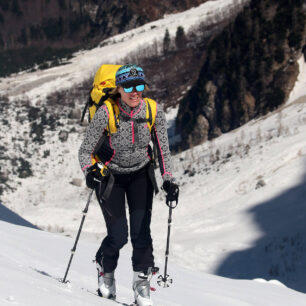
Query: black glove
{"x": 172, "y": 191}
{"x": 94, "y": 176}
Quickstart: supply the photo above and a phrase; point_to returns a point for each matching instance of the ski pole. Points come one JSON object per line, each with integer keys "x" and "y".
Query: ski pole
{"x": 165, "y": 279}
{"x": 78, "y": 235}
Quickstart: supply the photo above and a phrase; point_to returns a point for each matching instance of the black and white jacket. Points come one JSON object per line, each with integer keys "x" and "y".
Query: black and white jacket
{"x": 126, "y": 151}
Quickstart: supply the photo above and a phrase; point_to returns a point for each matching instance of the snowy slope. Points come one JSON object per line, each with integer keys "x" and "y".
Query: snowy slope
{"x": 245, "y": 206}
{"x": 241, "y": 212}
{"x": 242, "y": 216}
{"x": 32, "y": 262}
{"x": 37, "y": 85}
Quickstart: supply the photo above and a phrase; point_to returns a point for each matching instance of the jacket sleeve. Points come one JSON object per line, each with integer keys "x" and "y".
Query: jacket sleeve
{"x": 94, "y": 136}
{"x": 162, "y": 144}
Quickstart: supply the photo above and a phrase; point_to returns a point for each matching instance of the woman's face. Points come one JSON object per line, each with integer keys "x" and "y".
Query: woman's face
{"x": 132, "y": 99}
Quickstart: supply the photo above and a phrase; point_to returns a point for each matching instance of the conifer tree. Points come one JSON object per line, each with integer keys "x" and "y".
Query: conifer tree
{"x": 180, "y": 38}
{"x": 167, "y": 41}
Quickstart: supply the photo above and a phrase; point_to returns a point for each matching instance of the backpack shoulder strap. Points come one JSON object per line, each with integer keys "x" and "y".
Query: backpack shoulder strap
{"x": 113, "y": 112}
{"x": 151, "y": 112}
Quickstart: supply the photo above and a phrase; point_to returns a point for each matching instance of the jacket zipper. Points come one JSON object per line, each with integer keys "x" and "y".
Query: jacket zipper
{"x": 132, "y": 126}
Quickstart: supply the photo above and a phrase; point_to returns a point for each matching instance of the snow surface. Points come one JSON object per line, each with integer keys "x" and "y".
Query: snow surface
{"x": 241, "y": 213}
{"x": 32, "y": 262}
{"x": 299, "y": 89}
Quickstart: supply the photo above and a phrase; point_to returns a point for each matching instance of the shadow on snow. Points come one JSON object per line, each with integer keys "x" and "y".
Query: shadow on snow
{"x": 9, "y": 216}
{"x": 280, "y": 253}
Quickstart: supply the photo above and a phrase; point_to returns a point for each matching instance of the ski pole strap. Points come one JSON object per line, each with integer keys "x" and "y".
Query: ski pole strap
{"x": 172, "y": 204}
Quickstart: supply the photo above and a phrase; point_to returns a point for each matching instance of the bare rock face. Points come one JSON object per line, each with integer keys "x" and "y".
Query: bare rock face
{"x": 209, "y": 107}
{"x": 248, "y": 107}
{"x": 201, "y": 132}
{"x": 91, "y": 9}
{"x": 76, "y": 182}
{"x": 226, "y": 114}
{"x": 63, "y": 136}
{"x": 247, "y": 71}
{"x": 75, "y": 114}
{"x": 285, "y": 79}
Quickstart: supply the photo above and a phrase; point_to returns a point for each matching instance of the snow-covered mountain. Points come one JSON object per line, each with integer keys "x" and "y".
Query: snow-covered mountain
{"x": 241, "y": 212}
{"x": 37, "y": 85}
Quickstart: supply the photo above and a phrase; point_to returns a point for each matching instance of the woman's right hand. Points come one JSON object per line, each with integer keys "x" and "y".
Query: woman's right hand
{"x": 94, "y": 176}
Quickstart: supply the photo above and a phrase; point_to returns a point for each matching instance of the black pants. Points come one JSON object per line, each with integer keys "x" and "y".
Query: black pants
{"x": 138, "y": 189}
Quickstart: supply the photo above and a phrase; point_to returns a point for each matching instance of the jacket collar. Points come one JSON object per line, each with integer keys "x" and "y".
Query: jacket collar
{"x": 127, "y": 109}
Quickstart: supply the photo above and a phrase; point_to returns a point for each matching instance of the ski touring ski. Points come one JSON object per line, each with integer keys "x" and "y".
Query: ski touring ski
{"x": 114, "y": 300}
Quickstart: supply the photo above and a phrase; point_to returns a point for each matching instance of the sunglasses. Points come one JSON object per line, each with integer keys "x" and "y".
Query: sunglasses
{"x": 130, "y": 89}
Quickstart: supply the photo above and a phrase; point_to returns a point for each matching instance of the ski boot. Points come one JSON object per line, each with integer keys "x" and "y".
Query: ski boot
{"x": 141, "y": 287}
{"x": 106, "y": 283}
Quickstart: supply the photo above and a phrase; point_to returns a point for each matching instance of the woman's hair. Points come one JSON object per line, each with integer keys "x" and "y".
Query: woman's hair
{"x": 114, "y": 91}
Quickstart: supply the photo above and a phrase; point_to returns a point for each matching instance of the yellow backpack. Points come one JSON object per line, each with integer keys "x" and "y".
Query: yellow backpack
{"x": 104, "y": 83}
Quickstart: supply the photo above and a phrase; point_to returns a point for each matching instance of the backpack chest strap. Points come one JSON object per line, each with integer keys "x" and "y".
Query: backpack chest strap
{"x": 138, "y": 120}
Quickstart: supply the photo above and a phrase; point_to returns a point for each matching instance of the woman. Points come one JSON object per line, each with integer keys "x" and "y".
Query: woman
{"x": 127, "y": 156}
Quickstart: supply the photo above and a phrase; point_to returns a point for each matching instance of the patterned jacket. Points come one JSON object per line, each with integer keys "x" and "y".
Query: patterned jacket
{"x": 126, "y": 150}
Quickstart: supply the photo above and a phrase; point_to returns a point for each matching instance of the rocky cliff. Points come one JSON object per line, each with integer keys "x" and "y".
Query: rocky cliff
{"x": 249, "y": 69}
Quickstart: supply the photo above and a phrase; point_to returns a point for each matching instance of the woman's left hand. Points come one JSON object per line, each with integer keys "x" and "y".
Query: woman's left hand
{"x": 172, "y": 191}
